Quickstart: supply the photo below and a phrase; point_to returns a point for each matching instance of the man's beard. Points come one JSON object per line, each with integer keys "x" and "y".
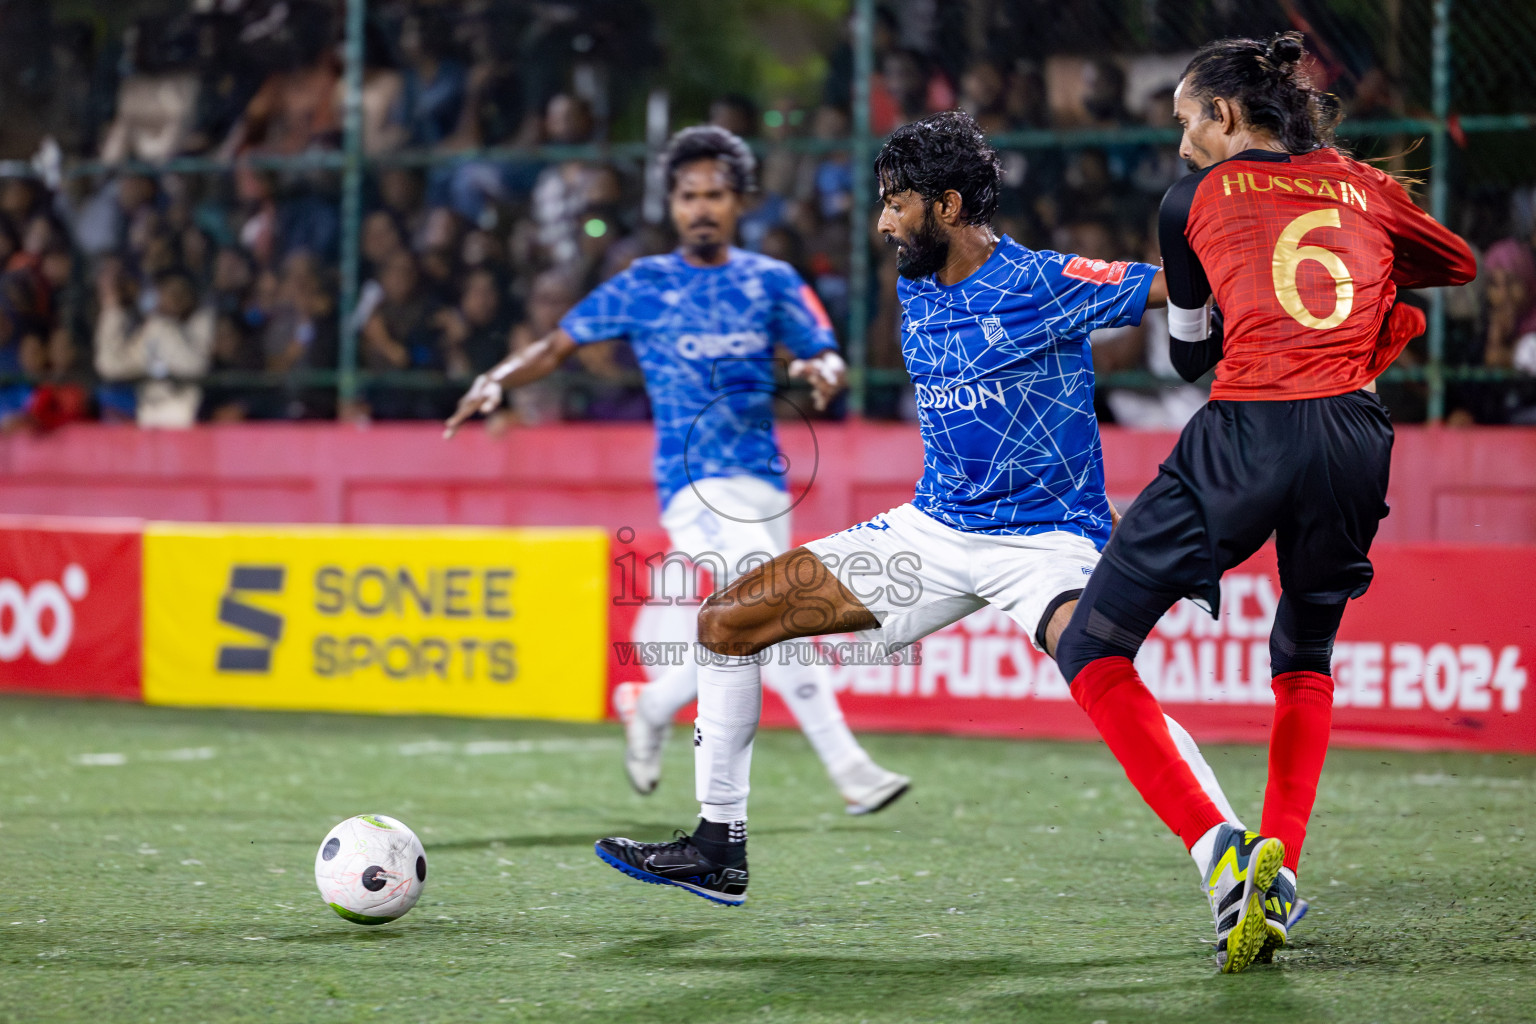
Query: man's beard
{"x": 706, "y": 251}
{"x": 925, "y": 253}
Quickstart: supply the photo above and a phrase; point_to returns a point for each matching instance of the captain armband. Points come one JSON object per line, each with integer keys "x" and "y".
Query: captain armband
{"x": 1189, "y": 324}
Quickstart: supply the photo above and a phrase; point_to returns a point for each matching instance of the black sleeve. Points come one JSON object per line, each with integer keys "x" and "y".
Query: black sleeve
{"x": 1187, "y": 284}
{"x": 1194, "y": 359}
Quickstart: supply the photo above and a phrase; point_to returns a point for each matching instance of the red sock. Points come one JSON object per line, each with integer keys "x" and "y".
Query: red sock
{"x": 1131, "y": 722}
{"x": 1298, "y": 742}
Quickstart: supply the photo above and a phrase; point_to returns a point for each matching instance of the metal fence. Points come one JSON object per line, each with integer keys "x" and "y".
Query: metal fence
{"x": 1458, "y": 76}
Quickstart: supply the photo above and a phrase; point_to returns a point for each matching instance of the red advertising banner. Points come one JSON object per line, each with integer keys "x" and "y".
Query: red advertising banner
{"x": 71, "y": 606}
{"x": 1436, "y": 655}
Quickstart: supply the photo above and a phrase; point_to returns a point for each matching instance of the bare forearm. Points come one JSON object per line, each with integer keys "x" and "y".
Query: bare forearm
{"x": 535, "y": 361}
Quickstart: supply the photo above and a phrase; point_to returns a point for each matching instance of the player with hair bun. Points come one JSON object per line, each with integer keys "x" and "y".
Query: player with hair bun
{"x": 1302, "y": 250}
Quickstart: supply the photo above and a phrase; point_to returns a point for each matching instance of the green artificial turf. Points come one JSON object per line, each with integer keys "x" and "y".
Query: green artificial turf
{"x": 158, "y": 867}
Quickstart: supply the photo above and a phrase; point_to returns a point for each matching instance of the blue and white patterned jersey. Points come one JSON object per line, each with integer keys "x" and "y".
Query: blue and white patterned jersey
{"x": 1004, "y": 389}
{"x": 704, "y": 338}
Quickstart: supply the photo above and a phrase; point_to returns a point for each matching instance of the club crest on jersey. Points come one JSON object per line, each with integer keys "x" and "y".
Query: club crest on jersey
{"x": 1082, "y": 268}
{"x": 992, "y": 327}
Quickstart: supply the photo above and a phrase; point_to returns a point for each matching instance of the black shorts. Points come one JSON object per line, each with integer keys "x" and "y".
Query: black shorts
{"x": 1311, "y": 471}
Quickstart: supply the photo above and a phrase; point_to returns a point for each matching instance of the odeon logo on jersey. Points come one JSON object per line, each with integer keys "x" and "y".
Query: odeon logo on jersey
{"x": 383, "y": 620}
{"x": 959, "y": 396}
{"x": 721, "y": 346}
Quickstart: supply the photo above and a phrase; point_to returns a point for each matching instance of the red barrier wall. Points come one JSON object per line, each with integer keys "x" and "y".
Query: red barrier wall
{"x": 70, "y": 613}
{"x": 1435, "y": 656}
{"x": 1473, "y": 486}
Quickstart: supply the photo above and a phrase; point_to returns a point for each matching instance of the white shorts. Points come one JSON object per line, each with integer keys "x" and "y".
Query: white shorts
{"x": 729, "y": 525}
{"x": 741, "y": 520}
{"x": 918, "y": 575}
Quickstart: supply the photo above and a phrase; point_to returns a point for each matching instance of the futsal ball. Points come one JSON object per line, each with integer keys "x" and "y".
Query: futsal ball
{"x": 371, "y": 869}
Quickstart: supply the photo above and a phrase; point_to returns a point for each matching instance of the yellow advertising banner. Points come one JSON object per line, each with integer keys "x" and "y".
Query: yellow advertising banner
{"x": 503, "y": 623}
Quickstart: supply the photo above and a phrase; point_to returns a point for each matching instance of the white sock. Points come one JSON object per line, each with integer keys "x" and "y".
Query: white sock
{"x": 1190, "y": 751}
{"x": 807, "y": 690}
{"x": 730, "y": 704}
{"x": 1203, "y": 849}
{"x": 1203, "y": 774}
{"x": 662, "y": 698}
{"x": 1290, "y": 876}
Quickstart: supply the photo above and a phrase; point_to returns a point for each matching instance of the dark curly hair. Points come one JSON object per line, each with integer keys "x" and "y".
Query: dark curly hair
{"x": 939, "y": 153}
{"x": 707, "y": 142}
{"x": 1265, "y": 80}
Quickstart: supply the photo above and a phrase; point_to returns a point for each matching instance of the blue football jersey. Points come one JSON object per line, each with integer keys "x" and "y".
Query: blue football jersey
{"x": 1004, "y": 389}
{"x": 704, "y": 338}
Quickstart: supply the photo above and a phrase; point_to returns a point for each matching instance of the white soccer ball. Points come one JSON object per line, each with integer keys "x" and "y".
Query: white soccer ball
{"x": 371, "y": 869}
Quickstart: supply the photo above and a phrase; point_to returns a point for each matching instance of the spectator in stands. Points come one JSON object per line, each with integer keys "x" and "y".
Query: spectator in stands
{"x": 26, "y": 356}
{"x": 784, "y": 243}
{"x": 401, "y": 335}
{"x": 737, "y": 114}
{"x": 441, "y": 238}
{"x": 602, "y": 227}
{"x": 104, "y": 219}
{"x": 116, "y": 402}
{"x": 1158, "y": 167}
{"x": 475, "y": 332}
{"x": 227, "y": 80}
{"x": 383, "y": 98}
{"x": 1509, "y": 291}
{"x": 484, "y": 249}
{"x": 494, "y": 111}
{"x": 58, "y": 398}
{"x": 838, "y": 90}
{"x": 983, "y": 96}
{"x": 906, "y": 88}
{"x": 156, "y": 100}
{"x": 258, "y": 231}
{"x": 166, "y": 353}
{"x": 10, "y": 243}
{"x": 301, "y": 334}
{"x": 295, "y": 109}
{"x": 194, "y": 244}
{"x": 1104, "y": 94}
{"x": 1027, "y": 102}
{"x": 401, "y": 194}
{"x": 21, "y": 200}
{"x": 233, "y": 275}
{"x": 235, "y": 348}
{"x": 70, "y": 109}
{"x": 435, "y": 80}
{"x": 381, "y": 240}
{"x": 560, "y": 193}
{"x": 553, "y": 294}
{"x": 833, "y": 177}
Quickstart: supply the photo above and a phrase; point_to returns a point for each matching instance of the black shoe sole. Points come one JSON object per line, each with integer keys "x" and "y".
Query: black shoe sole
{"x": 645, "y": 876}
{"x": 882, "y": 805}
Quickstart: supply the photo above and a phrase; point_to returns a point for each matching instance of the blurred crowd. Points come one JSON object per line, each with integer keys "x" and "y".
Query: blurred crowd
{"x": 168, "y": 297}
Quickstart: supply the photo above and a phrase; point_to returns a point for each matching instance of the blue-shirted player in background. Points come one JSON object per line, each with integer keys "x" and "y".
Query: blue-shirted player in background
{"x": 703, "y": 322}
{"x": 1010, "y": 511}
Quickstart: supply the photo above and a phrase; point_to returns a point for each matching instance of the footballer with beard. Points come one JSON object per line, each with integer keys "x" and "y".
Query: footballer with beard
{"x": 1010, "y": 510}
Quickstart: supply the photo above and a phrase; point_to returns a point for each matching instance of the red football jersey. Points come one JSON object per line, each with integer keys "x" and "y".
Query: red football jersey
{"x": 1304, "y": 255}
